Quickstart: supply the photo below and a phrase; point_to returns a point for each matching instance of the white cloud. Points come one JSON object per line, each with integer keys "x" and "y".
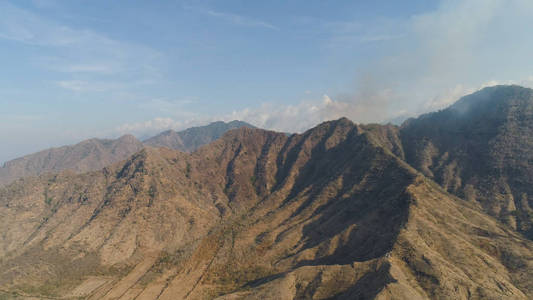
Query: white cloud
{"x": 240, "y": 20}
{"x": 423, "y": 63}
{"x": 73, "y": 85}
{"x": 446, "y": 98}
{"x": 155, "y": 126}
{"x": 97, "y": 67}
{"x": 285, "y": 118}
{"x": 352, "y": 33}
{"x": 87, "y": 86}
{"x": 380, "y": 37}
{"x": 450, "y": 96}
{"x": 169, "y": 106}
{"x": 429, "y": 60}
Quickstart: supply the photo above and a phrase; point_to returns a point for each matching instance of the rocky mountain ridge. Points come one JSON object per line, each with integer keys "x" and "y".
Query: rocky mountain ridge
{"x": 88, "y": 155}
{"x": 481, "y": 149}
{"x": 192, "y": 138}
{"x": 95, "y": 154}
{"x": 342, "y": 211}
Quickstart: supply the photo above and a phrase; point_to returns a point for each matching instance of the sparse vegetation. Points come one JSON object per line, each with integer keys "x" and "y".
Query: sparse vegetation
{"x": 188, "y": 170}
{"x": 345, "y": 212}
{"x": 47, "y": 199}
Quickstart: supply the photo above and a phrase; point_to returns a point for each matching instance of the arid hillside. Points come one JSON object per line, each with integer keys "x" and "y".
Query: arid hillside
{"x": 89, "y": 155}
{"x": 335, "y": 212}
{"x": 95, "y": 154}
{"x": 480, "y": 149}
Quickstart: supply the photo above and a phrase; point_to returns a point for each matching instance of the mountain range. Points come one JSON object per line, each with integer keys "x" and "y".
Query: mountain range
{"x": 437, "y": 208}
{"x": 192, "y": 138}
{"x": 94, "y": 154}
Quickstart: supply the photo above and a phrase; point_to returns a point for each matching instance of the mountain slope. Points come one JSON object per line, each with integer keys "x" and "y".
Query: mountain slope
{"x": 95, "y": 154}
{"x": 86, "y": 156}
{"x": 192, "y": 138}
{"x": 481, "y": 149}
{"x": 333, "y": 212}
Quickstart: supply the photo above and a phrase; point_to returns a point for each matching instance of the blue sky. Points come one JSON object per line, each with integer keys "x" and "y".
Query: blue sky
{"x": 71, "y": 70}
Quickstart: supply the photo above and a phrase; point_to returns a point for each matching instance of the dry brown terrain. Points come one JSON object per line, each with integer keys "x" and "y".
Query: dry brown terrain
{"x": 95, "y": 154}
{"x": 481, "y": 149}
{"x": 89, "y": 155}
{"x": 334, "y": 213}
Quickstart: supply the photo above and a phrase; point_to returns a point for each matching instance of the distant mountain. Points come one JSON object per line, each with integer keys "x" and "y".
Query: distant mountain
{"x": 89, "y": 155}
{"x": 94, "y": 154}
{"x": 333, "y": 213}
{"x": 481, "y": 149}
{"x": 191, "y": 139}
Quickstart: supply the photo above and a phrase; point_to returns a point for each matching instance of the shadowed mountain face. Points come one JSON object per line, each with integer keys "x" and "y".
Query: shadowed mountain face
{"x": 481, "y": 149}
{"x": 335, "y": 212}
{"x": 89, "y": 155}
{"x": 191, "y": 139}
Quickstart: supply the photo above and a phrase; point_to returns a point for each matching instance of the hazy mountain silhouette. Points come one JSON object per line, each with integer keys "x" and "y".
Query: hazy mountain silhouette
{"x": 190, "y": 139}
{"x": 89, "y": 155}
{"x": 94, "y": 154}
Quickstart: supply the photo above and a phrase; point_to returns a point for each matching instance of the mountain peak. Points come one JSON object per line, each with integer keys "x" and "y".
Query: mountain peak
{"x": 342, "y": 122}
{"x": 127, "y": 137}
{"x": 494, "y": 97}
{"x": 343, "y": 210}
{"x": 325, "y": 214}
{"x": 192, "y": 138}
{"x": 481, "y": 149}
{"x": 89, "y": 155}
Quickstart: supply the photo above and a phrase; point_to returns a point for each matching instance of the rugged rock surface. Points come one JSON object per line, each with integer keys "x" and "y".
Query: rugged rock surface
{"x": 335, "y": 212}
{"x": 481, "y": 149}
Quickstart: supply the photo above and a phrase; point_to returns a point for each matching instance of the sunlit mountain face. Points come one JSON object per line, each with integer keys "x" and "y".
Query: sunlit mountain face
{"x": 266, "y": 150}
{"x": 343, "y": 210}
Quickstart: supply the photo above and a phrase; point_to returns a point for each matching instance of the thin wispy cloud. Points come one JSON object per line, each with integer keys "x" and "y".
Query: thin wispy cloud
{"x": 168, "y": 106}
{"x": 87, "y": 86}
{"x": 173, "y": 115}
{"x": 274, "y": 116}
{"x": 74, "y": 85}
{"x": 380, "y": 37}
{"x": 81, "y": 51}
{"x": 226, "y": 64}
{"x": 448, "y": 97}
{"x": 24, "y": 26}
{"x": 156, "y": 125}
{"x": 352, "y": 33}
{"x": 99, "y": 67}
{"x": 240, "y": 20}
{"x": 431, "y": 59}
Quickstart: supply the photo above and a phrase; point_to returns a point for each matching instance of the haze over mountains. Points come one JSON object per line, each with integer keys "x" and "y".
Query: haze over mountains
{"x": 85, "y": 156}
{"x": 191, "y": 139}
{"x": 481, "y": 149}
{"x": 439, "y": 208}
{"x": 94, "y": 154}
